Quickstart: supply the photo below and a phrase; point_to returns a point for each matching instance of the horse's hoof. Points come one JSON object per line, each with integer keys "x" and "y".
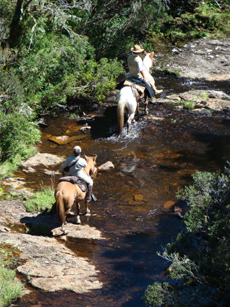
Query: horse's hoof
{"x": 63, "y": 230}
{"x": 88, "y": 214}
{"x": 133, "y": 121}
{"x": 78, "y": 220}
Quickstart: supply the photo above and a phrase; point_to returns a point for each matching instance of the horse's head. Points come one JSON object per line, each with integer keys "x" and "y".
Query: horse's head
{"x": 91, "y": 164}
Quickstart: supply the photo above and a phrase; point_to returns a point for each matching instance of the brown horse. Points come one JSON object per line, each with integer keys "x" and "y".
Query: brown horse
{"x": 66, "y": 194}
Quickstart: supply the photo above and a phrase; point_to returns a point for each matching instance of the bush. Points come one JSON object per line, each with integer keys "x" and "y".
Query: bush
{"x": 11, "y": 288}
{"x": 17, "y": 136}
{"x": 59, "y": 67}
{"x": 41, "y": 201}
{"x": 200, "y": 257}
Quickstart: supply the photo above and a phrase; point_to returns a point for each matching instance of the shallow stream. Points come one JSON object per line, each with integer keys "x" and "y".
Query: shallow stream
{"x": 151, "y": 164}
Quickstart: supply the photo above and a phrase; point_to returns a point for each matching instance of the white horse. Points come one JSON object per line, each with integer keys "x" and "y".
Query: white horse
{"x": 127, "y": 102}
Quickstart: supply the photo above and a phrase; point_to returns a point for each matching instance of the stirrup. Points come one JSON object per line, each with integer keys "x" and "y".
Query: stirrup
{"x": 93, "y": 197}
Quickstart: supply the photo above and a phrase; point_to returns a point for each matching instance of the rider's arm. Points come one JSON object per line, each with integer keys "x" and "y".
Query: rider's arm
{"x": 143, "y": 75}
{"x": 141, "y": 69}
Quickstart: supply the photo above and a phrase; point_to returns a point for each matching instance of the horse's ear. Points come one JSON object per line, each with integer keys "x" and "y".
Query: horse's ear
{"x": 86, "y": 157}
{"x": 95, "y": 157}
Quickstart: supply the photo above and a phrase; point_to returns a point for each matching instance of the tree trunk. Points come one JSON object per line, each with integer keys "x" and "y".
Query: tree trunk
{"x": 15, "y": 27}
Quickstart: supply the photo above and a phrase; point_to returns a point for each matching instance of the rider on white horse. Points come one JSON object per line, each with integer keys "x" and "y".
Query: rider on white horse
{"x": 137, "y": 68}
{"x": 135, "y": 64}
{"x": 74, "y": 165}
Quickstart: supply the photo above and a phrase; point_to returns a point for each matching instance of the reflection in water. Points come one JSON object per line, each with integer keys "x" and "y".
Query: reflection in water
{"x": 151, "y": 165}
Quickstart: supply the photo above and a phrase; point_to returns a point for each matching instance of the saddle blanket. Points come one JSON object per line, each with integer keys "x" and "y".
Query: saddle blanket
{"x": 140, "y": 88}
{"x": 138, "y": 82}
{"x": 75, "y": 180}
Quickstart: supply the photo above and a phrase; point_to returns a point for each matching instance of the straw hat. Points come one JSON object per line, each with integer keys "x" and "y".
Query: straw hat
{"x": 137, "y": 49}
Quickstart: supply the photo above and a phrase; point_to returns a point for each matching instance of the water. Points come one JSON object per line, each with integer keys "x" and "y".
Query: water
{"x": 151, "y": 164}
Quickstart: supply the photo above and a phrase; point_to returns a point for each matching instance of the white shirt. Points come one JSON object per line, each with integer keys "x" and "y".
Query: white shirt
{"x": 147, "y": 63}
{"x": 77, "y": 168}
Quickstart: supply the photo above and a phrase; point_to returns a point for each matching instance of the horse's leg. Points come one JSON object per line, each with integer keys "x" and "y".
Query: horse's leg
{"x": 129, "y": 121}
{"x": 87, "y": 211}
{"x": 78, "y": 220}
{"x": 146, "y": 105}
{"x": 137, "y": 111}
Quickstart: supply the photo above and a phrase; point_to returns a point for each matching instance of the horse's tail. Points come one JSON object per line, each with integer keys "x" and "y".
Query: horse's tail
{"x": 120, "y": 112}
{"x": 60, "y": 207}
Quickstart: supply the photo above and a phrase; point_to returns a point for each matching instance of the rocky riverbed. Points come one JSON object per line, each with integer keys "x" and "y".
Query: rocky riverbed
{"x": 50, "y": 265}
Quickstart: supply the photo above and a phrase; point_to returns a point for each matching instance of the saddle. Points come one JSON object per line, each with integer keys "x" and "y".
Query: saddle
{"x": 75, "y": 180}
{"x": 138, "y": 90}
{"x": 137, "y": 83}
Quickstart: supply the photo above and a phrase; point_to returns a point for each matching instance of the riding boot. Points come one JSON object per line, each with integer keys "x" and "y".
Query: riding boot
{"x": 158, "y": 91}
{"x": 89, "y": 193}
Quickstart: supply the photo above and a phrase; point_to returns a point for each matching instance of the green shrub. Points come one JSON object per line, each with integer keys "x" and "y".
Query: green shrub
{"x": 200, "y": 257}
{"x": 41, "y": 201}
{"x": 11, "y": 288}
{"x": 17, "y": 135}
{"x": 190, "y": 105}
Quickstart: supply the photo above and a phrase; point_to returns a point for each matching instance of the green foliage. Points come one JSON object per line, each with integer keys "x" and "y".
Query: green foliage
{"x": 11, "y": 288}
{"x": 157, "y": 294}
{"x": 190, "y": 105}
{"x": 115, "y": 28}
{"x": 200, "y": 257}
{"x": 41, "y": 201}
{"x": 207, "y": 200}
{"x": 17, "y": 135}
{"x": 196, "y": 19}
{"x": 203, "y": 95}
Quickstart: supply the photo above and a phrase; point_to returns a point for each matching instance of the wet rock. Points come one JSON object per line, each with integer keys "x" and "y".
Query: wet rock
{"x": 51, "y": 173}
{"x": 174, "y": 97}
{"x": 65, "y": 139}
{"x": 4, "y": 229}
{"x": 169, "y": 204}
{"x": 205, "y": 100}
{"x": 178, "y": 212}
{"x": 44, "y": 159}
{"x": 78, "y": 231}
{"x": 138, "y": 197}
{"x": 51, "y": 266}
{"x": 218, "y": 105}
{"x": 106, "y": 166}
{"x": 85, "y": 128}
{"x": 175, "y": 50}
{"x": 14, "y": 182}
{"x": 42, "y": 122}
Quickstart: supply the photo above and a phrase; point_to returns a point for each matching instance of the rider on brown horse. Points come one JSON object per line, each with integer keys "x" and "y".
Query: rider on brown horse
{"x": 74, "y": 165}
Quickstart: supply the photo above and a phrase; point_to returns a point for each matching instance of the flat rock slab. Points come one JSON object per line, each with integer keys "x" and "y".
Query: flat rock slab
{"x": 106, "y": 166}
{"x": 78, "y": 231}
{"x": 209, "y": 99}
{"x": 51, "y": 266}
{"x": 65, "y": 139}
{"x": 200, "y": 59}
{"x": 44, "y": 159}
{"x": 14, "y": 212}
